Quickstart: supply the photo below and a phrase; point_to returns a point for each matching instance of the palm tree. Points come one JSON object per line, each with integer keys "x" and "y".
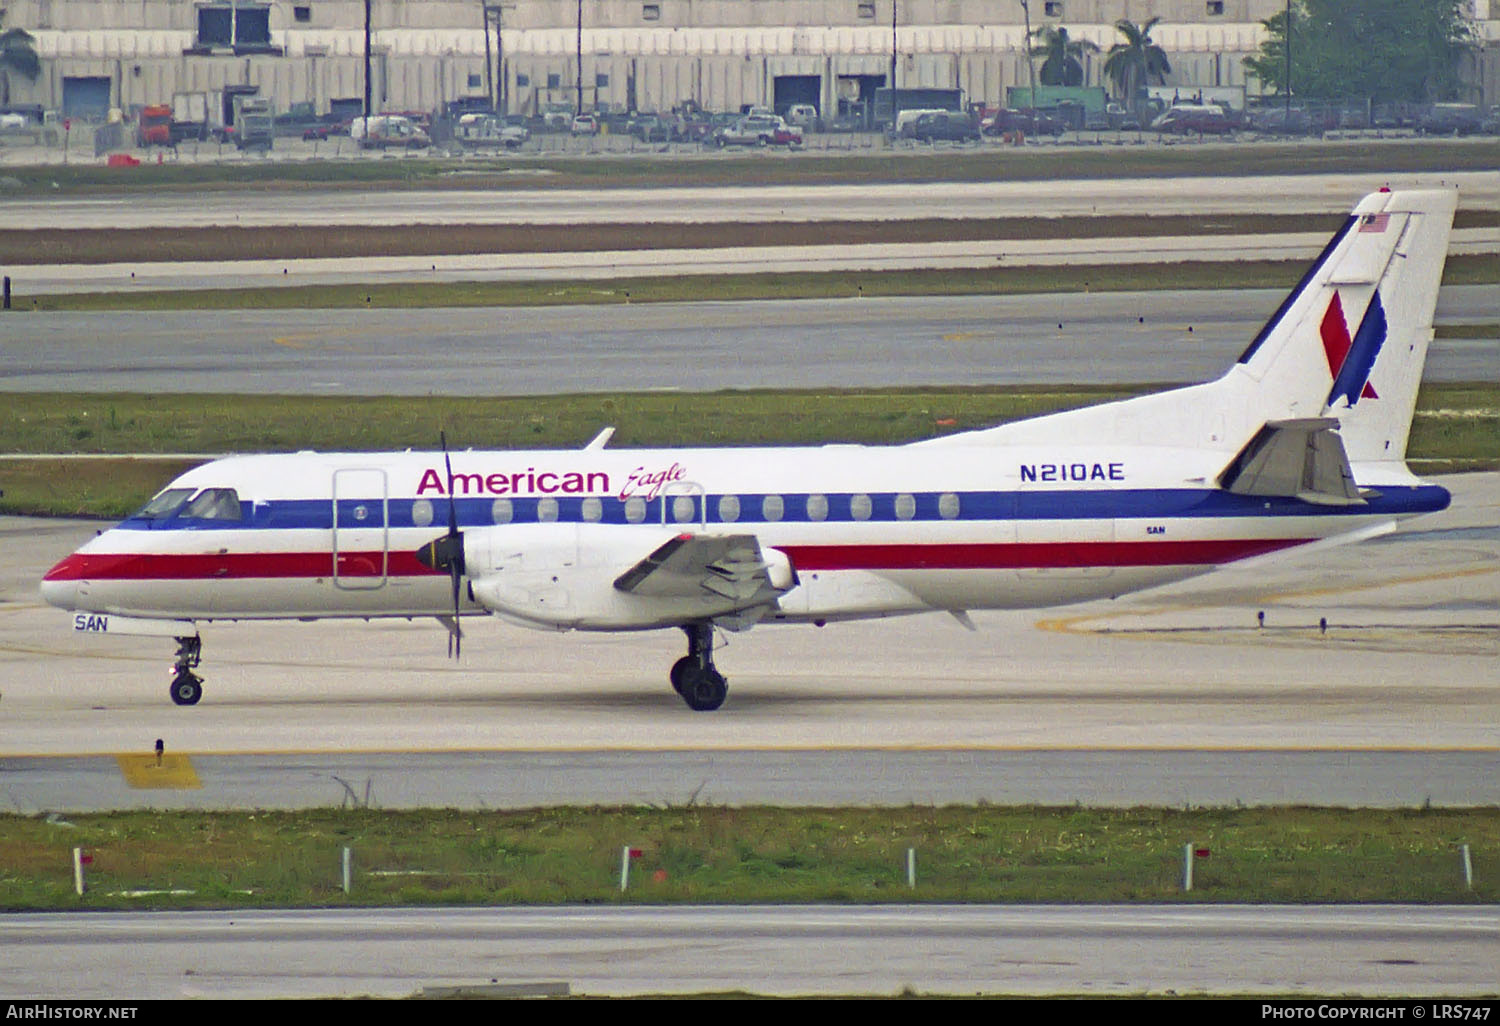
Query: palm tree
{"x": 1136, "y": 61}
{"x": 17, "y": 54}
{"x": 1064, "y": 63}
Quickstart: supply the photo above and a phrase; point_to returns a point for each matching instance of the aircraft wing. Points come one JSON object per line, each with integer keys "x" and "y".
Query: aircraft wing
{"x": 729, "y": 565}
{"x": 1302, "y": 459}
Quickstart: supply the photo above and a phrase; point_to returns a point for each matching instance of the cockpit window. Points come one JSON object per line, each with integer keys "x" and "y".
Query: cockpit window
{"x": 214, "y": 504}
{"x": 164, "y": 505}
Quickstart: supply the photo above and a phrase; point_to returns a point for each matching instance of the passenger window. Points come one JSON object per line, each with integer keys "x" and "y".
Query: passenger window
{"x": 772, "y": 508}
{"x": 546, "y": 511}
{"x": 502, "y": 512}
{"x": 593, "y": 510}
{"x": 214, "y": 504}
{"x": 729, "y": 508}
{"x": 421, "y": 512}
{"x": 948, "y": 506}
{"x": 635, "y": 509}
{"x": 860, "y": 507}
{"x": 817, "y": 507}
{"x": 682, "y": 508}
{"x": 906, "y": 506}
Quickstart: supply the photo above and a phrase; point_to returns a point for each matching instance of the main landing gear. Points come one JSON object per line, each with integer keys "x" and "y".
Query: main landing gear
{"x": 701, "y": 686}
{"x": 187, "y": 686}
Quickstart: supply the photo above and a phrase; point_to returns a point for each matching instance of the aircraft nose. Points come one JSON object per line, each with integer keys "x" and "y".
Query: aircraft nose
{"x": 60, "y": 585}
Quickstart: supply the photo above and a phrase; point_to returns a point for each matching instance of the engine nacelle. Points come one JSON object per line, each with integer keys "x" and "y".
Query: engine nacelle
{"x": 562, "y": 576}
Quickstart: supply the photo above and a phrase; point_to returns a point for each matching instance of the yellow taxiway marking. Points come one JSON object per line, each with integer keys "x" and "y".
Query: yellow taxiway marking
{"x": 173, "y": 772}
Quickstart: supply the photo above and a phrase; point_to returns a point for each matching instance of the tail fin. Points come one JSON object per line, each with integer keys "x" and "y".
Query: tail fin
{"x": 1346, "y": 347}
{"x": 1351, "y": 339}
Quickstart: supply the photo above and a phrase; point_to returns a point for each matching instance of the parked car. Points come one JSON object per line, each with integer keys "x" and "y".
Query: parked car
{"x": 326, "y": 127}
{"x": 649, "y": 128}
{"x": 759, "y": 130}
{"x": 486, "y": 131}
{"x": 949, "y": 124}
{"x": 1451, "y": 119}
{"x": 804, "y": 116}
{"x": 1280, "y": 121}
{"x": 1027, "y": 122}
{"x": 388, "y": 131}
{"x": 1188, "y": 119}
{"x": 585, "y": 124}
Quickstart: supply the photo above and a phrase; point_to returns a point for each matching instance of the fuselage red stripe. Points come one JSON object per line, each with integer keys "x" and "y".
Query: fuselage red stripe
{"x": 1031, "y": 555}
{"x": 806, "y": 558}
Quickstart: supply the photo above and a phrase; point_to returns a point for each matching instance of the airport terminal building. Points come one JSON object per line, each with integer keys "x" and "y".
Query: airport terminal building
{"x": 611, "y": 55}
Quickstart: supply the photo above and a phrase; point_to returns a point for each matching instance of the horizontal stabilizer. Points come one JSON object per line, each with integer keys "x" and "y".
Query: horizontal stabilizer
{"x": 1301, "y": 459}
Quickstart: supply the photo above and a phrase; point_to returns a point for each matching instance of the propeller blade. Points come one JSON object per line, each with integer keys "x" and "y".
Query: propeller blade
{"x": 448, "y": 552}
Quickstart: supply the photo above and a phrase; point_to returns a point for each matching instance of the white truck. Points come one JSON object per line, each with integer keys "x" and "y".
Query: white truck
{"x": 189, "y": 116}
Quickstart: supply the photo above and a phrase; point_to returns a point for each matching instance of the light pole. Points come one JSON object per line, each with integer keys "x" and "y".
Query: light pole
{"x": 1287, "y": 124}
{"x": 368, "y": 112}
{"x": 580, "y": 58}
{"x": 1030, "y": 63}
{"x": 498, "y": 96}
{"x": 894, "y": 110}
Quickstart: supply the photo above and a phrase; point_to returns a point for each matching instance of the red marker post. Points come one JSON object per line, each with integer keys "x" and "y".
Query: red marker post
{"x": 79, "y": 861}
{"x": 626, "y": 854}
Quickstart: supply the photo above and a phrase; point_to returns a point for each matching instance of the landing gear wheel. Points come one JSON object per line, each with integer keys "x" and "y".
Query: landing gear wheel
{"x": 187, "y": 688}
{"x": 693, "y": 676}
{"x": 704, "y": 690}
{"x": 679, "y": 671}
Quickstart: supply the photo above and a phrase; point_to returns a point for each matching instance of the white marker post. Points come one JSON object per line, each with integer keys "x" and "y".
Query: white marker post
{"x": 1187, "y": 868}
{"x": 78, "y": 871}
{"x": 348, "y": 869}
{"x": 624, "y": 868}
{"x": 1468, "y": 869}
{"x": 911, "y": 868}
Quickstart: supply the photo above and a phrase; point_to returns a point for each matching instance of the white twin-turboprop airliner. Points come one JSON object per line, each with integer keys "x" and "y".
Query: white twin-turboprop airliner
{"x": 1302, "y": 440}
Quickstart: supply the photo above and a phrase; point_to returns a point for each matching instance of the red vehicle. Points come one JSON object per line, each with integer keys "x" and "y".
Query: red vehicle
{"x": 155, "y": 126}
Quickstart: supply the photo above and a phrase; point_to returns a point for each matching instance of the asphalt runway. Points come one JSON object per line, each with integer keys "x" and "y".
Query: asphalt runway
{"x": 1104, "y": 338}
{"x": 1290, "y": 194}
{"x": 1435, "y": 952}
{"x": 1171, "y": 697}
{"x": 617, "y": 267}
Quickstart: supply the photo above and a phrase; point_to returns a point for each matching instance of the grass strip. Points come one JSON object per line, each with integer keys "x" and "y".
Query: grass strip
{"x": 749, "y": 855}
{"x": 1124, "y": 156}
{"x": 1469, "y": 269}
{"x": 1457, "y": 427}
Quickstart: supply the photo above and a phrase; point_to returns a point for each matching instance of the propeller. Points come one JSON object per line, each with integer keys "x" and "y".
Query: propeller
{"x": 447, "y": 553}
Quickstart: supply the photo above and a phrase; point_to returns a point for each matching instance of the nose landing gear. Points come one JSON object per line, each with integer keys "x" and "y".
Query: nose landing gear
{"x": 187, "y": 686}
{"x": 694, "y": 677}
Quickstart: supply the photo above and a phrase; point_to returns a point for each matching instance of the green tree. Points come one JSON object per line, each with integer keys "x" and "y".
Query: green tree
{"x": 1135, "y": 62}
{"x": 1386, "y": 50}
{"x": 18, "y": 55}
{"x": 1064, "y": 63}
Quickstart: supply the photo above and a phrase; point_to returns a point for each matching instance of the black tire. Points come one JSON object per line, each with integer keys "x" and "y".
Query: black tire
{"x": 186, "y": 689}
{"x": 679, "y": 670}
{"x": 703, "y": 690}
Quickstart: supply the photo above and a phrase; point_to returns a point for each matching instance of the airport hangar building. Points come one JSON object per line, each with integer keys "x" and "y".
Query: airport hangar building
{"x": 645, "y": 55}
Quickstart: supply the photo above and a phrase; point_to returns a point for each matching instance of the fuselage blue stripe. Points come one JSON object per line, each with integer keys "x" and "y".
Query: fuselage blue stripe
{"x": 1084, "y": 504}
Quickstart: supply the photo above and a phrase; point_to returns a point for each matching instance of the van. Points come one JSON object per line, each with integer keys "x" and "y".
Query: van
{"x": 804, "y": 116}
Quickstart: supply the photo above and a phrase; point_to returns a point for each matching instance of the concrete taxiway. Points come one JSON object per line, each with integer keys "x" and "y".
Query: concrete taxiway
{"x": 1390, "y": 951}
